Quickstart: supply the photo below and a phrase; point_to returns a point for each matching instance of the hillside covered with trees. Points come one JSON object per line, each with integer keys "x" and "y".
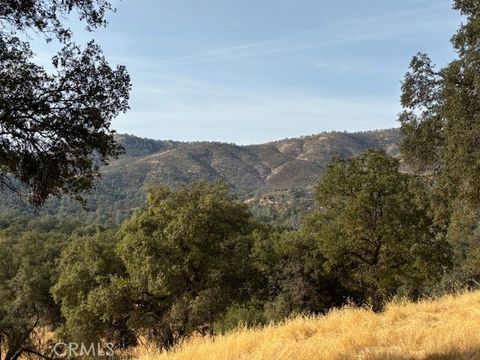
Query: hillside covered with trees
{"x": 276, "y": 179}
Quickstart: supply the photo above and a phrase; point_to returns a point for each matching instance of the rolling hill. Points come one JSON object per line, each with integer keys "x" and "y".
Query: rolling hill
{"x": 271, "y": 174}
{"x": 296, "y": 163}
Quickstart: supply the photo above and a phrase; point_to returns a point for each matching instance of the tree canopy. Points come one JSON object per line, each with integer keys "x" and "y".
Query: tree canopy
{"x": 372, "y": 229}
{"x": 55, "y": 126}
{"x": 181, "y": 262}
{"x": 442, "y": 109}
{"x": 28, "y": 269}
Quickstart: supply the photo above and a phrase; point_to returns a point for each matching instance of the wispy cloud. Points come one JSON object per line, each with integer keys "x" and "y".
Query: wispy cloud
{"x": 294, "y": 79}
{"x": 342, "y": 31}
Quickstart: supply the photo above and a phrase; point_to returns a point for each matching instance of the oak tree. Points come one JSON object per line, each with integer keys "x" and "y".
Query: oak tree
{"x": 55, "y": 126}
{"x": 374, "y": 230}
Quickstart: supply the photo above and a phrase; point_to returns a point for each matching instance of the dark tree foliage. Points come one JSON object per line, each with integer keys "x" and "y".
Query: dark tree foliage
{"x": 442, "y": 137}
{"x": 28, "y": 268}
{"x": 91, "y": 292}
{"x": 374, "y": 230}
{"x": 177, "y": 266}
{"x": 295, "y": 281}
{"x": 46, "y": 16}
{"x": 442, "y": 111}
{"x": 55, "y": 127}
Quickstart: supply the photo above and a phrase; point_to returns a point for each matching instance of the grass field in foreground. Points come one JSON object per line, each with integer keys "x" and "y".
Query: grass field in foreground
{"x": 447, "y": 328}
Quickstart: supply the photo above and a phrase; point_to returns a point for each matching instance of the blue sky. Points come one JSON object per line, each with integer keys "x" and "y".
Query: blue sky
{"x": 250, "y": 71}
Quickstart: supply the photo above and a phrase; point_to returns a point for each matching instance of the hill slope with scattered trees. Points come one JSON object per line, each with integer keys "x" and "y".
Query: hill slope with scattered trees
{"x": 276, "y": 178}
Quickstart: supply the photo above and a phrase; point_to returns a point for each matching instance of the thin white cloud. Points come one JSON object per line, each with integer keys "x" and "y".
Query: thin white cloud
{"x": 343, "y": 31}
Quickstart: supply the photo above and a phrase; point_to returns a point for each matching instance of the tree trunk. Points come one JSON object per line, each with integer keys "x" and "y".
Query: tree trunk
{"x": 377, "y": 303}
{"x": 12, "y": 354}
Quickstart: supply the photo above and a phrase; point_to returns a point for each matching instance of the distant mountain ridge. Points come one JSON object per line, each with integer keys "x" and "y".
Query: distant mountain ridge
{"x": 251, "y": 170}
{"x": 297, "y": 162}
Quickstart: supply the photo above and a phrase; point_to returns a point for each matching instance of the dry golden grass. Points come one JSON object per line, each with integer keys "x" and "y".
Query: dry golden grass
{"x": 448, "y": 328}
